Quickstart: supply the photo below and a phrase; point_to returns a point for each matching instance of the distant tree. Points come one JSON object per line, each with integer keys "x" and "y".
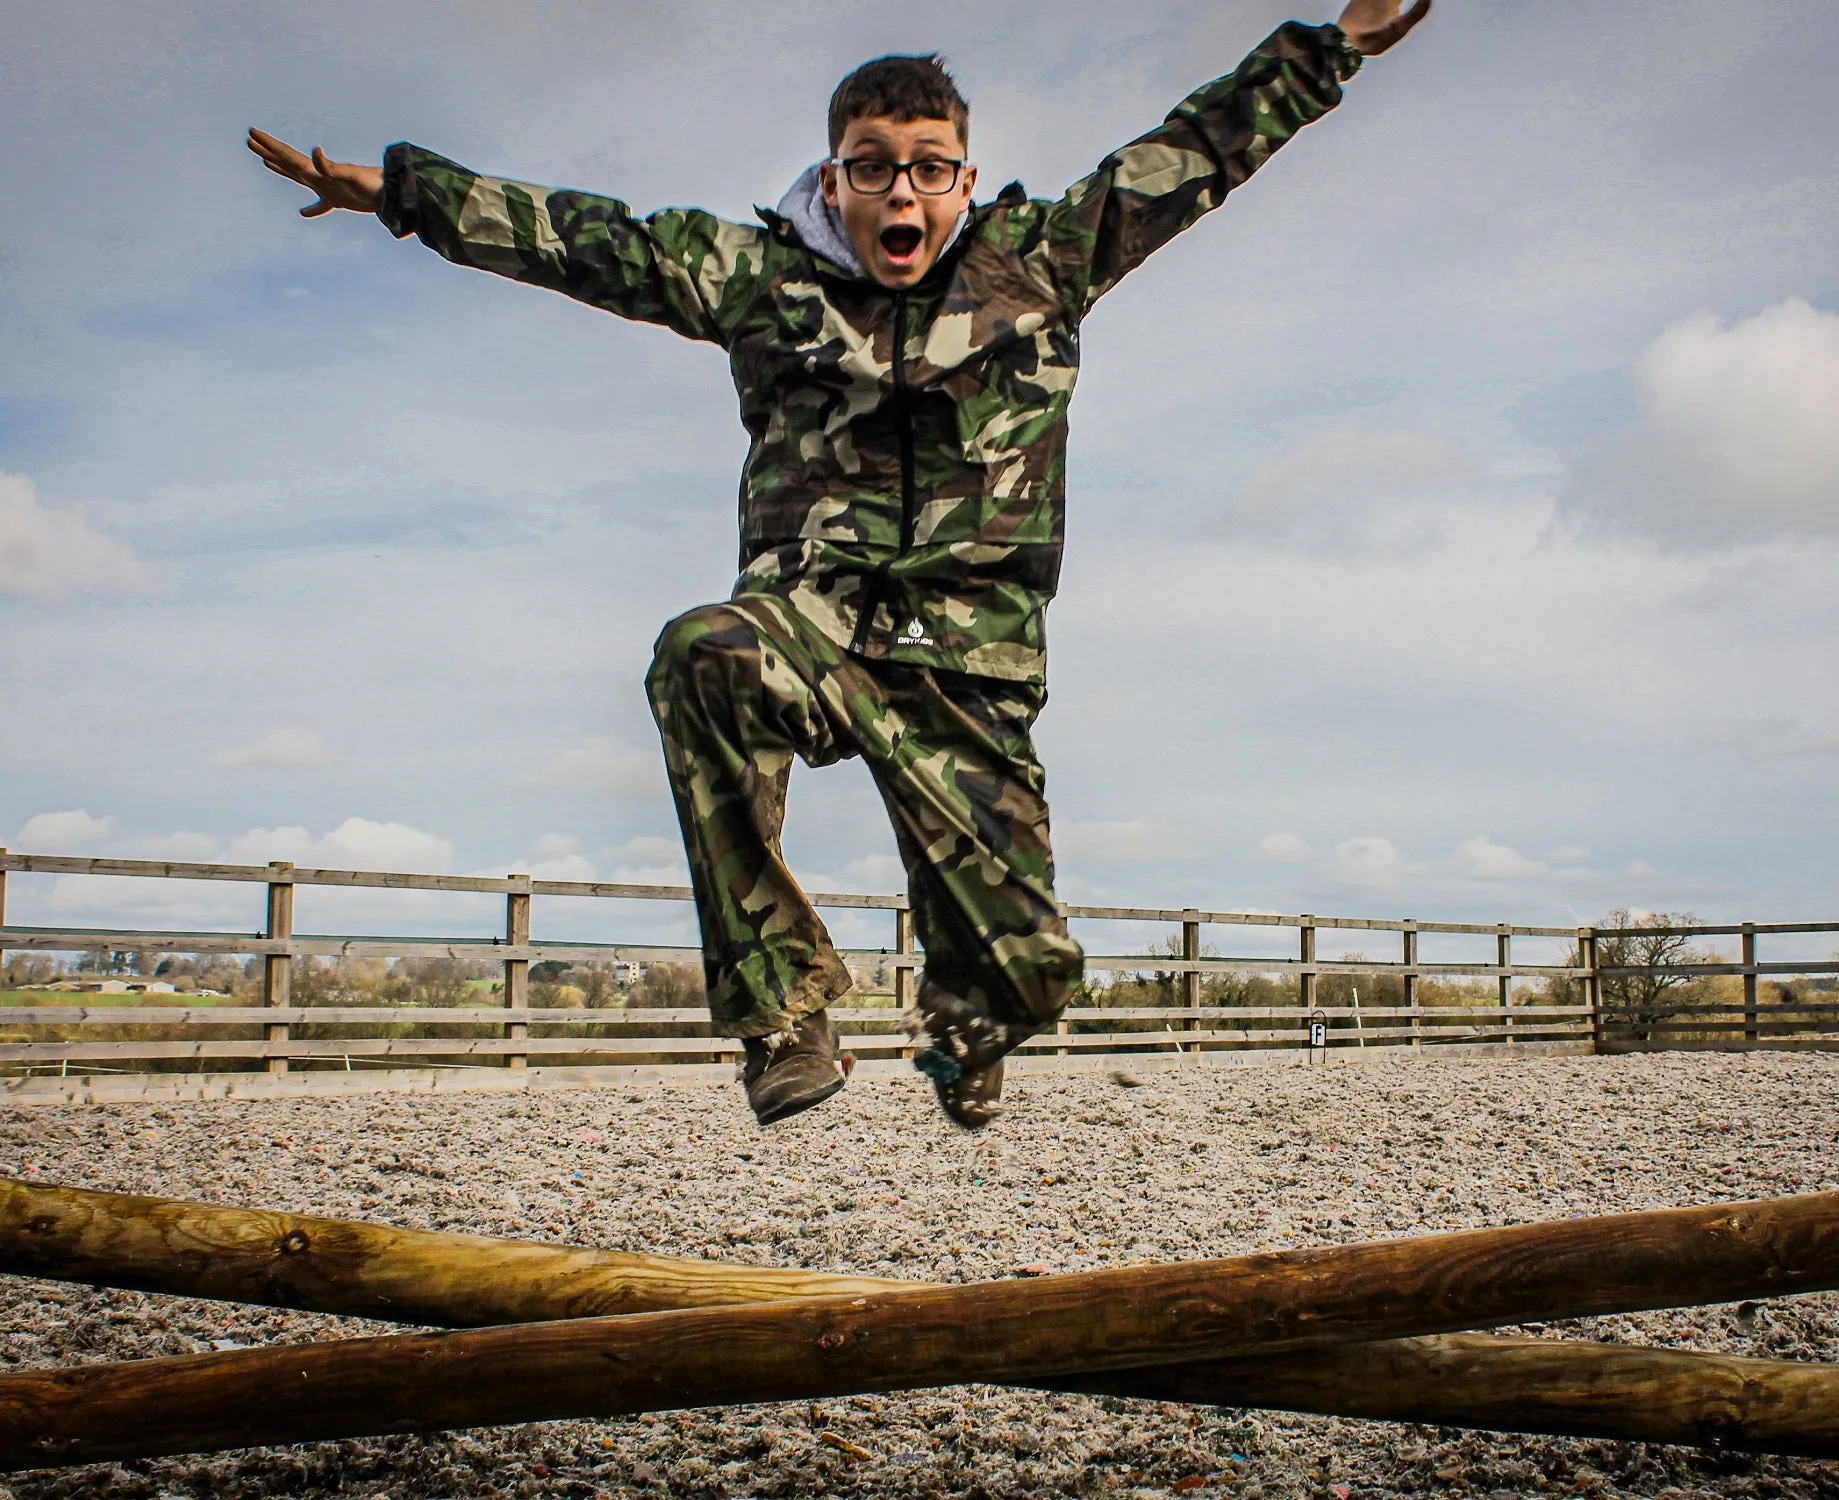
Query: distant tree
{"x": 670, "y": 987}
{"x": 29, "y": 970}
{"x": 316, "y": 982}
{"x": 430, "y": 981}
{"x": 1167, "y": 982}
{"x": 1650, "y": 942}
{"x": 1245, "y": 991}
{"x": 1341, "y": 990}
{"x": 596, "y": 986}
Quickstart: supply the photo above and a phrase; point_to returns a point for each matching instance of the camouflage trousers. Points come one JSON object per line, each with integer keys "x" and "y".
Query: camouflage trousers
{"x": 738, "y": 690}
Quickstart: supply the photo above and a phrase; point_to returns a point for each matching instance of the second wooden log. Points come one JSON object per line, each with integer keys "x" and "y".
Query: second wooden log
{"x": 1562, "y": 1387}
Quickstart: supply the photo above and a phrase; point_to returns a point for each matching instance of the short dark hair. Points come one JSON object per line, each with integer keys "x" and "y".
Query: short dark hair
{"x": 902, "y": 88}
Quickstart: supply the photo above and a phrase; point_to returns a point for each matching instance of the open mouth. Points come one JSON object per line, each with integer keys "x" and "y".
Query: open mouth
{"x": 901, "y": 242}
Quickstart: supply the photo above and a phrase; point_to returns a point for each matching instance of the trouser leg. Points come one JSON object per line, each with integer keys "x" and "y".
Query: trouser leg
{"x": 967, "y": 797}
{"x": 733, "y": 709}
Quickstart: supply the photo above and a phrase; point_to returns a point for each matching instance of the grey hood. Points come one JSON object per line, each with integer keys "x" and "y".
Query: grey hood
{"x": 821, "y": 227}
{"x": 818, "y": 224}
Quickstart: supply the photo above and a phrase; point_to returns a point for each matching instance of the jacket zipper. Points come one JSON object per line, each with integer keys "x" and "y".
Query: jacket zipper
{"x": 879, "y": 588}
{"x": 903, "y": 406}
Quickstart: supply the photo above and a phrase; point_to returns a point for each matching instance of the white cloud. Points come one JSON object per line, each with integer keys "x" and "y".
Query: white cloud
{"x": 74, "y": 832}
{"x": 1481, "y": 859}
{"x": 1737, "y": 433}
{"x": 1333, "y": 482}
{"x": 678, "y": 874}
{"x": 1567, "y": 854}
{"x": 877, "y": 872}
{"x": 279, "y": 747}
{"x": 52, "y": 551}
{"x": 651, "y": 847}
{"x": 596, "y": 766}
{"x": 1366, "y": 862}
{"x": 1286, "y": 848}
{"x": 356, "y": 844}
{"x": 558, "y": 857}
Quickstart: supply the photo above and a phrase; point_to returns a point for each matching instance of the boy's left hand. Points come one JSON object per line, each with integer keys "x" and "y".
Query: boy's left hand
{"x": 1375, "y": 25}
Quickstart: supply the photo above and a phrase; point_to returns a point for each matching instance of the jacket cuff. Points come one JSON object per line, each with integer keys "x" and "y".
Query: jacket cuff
{"x": 1343, "y": 55}
{"x": 400, "y": 210}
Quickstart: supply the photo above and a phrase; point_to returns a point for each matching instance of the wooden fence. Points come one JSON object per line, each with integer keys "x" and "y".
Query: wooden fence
{"x": 191, "y": 1050}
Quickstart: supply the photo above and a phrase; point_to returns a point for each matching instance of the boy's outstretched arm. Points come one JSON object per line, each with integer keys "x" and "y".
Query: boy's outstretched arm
{"x": 1145, "y": 194}
{"x": 683, "y": 268}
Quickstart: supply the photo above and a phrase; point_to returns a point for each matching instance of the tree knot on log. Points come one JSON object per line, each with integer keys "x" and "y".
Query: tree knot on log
{"x": 42, "y": 1224}
{"x": 295, "y": 1242}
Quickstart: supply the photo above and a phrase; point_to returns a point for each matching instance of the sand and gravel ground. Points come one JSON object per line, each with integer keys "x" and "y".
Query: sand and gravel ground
{"x": 1082, "y": 1171}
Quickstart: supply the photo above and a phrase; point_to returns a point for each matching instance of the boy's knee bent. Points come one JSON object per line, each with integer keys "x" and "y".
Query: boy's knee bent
{"x": 708, "y": 630}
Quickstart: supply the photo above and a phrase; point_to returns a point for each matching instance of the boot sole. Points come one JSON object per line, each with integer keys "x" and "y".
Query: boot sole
{"x": 784, "y": 1109}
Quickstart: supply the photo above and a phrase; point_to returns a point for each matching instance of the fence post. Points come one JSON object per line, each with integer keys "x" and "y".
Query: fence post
{"x": 903, "y": 976}
{"x": 1190, "y": 951}
{"x": 1410, "y": 960}
{"x": 2, "y": 909}
{"x": 1503, "y": 954}
{"x": 1750, "y": 1033}
{"x": 1593, "y": 988}
{"x": 278, "y": 968}
{"x": 517, "y": 970}
{"x": 1306, "y": 950}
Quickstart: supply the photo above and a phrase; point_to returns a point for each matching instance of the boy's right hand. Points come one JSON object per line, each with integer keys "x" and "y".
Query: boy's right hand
{"x": 1376, "y": 26}
{"x": 340, "y": 184}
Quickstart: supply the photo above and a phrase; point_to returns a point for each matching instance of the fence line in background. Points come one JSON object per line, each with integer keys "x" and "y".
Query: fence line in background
{"x": 1595, "y": 1021}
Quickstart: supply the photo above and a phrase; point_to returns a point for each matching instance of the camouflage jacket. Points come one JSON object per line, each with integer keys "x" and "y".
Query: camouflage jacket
{"x": 904, "y": 488}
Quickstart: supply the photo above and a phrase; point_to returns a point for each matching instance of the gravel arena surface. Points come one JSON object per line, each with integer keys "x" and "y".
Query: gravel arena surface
{"x": 1084, "y": 1170}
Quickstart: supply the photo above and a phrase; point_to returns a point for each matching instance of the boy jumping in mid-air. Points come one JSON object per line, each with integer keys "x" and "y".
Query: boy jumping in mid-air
{"x": 904, "y": 357}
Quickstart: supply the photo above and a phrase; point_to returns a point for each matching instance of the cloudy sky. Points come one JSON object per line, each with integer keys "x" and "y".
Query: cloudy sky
{"x": 1453, "y": 516}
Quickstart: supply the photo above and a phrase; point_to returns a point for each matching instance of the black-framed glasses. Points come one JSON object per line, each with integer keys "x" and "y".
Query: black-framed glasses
{"x": 931, "y": 176}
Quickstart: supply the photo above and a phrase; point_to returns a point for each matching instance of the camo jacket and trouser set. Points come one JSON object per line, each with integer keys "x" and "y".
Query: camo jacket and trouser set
{"x": 902, "y": 513}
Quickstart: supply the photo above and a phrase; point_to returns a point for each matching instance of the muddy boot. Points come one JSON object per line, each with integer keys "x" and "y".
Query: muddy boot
{"x": 965, "y": 1060}
{"x": 970, "y": 1099}
{"x": 788, "y": 1073}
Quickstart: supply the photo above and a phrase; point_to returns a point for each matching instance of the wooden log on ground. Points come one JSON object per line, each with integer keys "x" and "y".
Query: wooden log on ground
{"x": 1560, "y": 1387}
{"x": 454, "y": 1280}
{"x": 1015, "y": 1332}
{"x": 362, "y": 1270}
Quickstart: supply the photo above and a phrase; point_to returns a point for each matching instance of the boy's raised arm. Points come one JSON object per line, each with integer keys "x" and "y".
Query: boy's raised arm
{"x": 685, "y": 269}
{"x": 1146, "y": 193}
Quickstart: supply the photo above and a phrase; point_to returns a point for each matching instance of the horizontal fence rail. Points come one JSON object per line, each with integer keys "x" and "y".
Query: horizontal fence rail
{"x": 1583, "y": 1003}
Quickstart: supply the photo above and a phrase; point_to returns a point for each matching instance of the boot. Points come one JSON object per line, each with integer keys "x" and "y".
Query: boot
{"x": 965, "y": 1060}
{"x": 788, "y": 1073}
{"x": 970, "y": 1099}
